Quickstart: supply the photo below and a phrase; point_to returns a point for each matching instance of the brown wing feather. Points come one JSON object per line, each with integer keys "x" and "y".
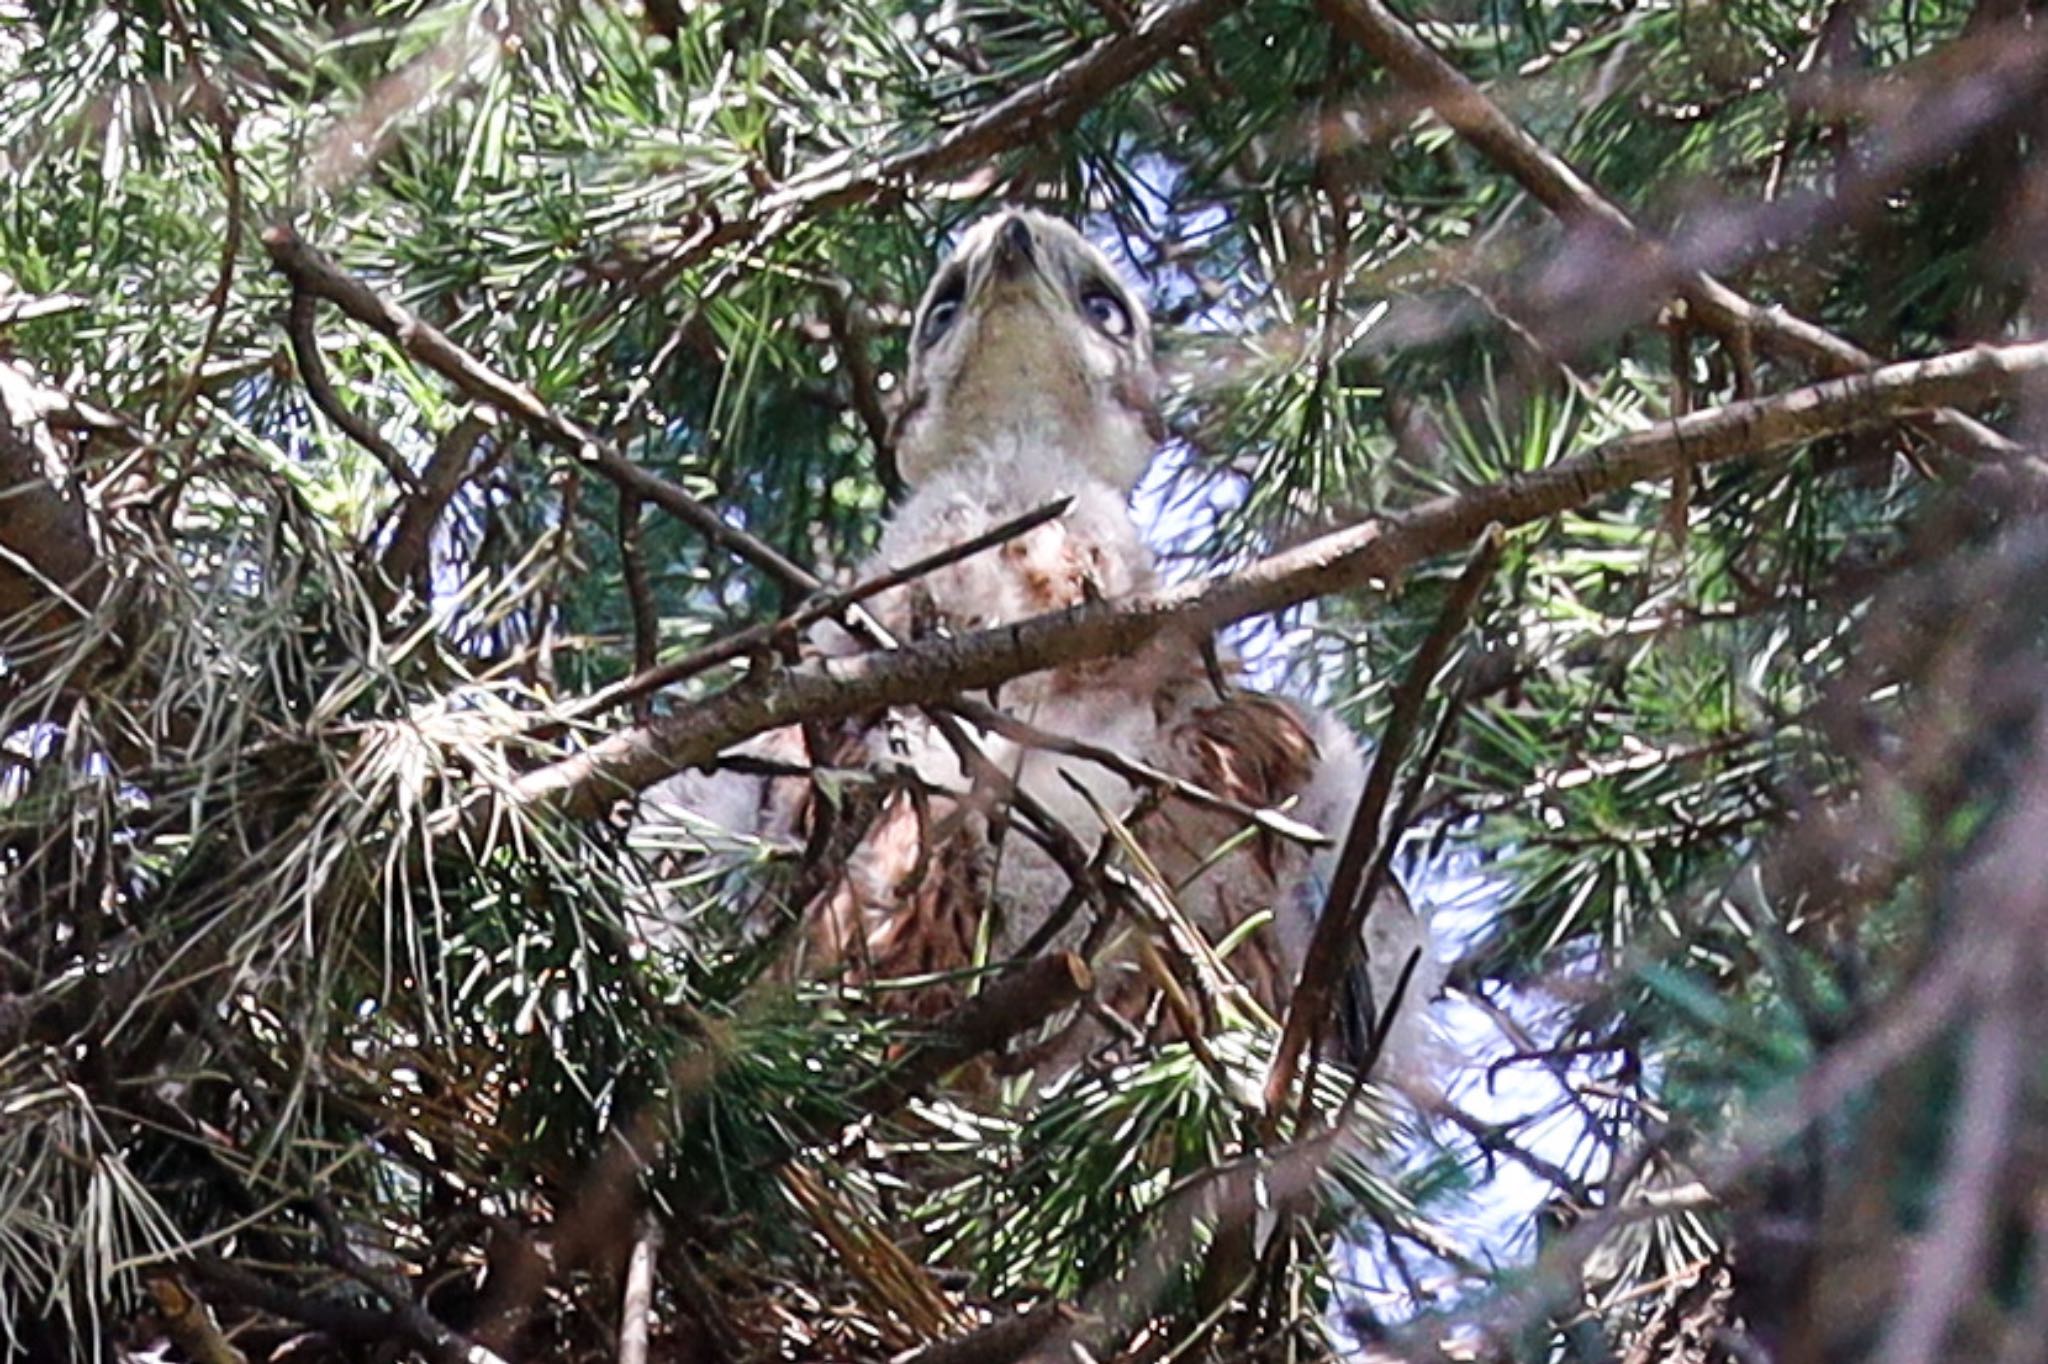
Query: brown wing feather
{"x": 905, "y": 902}
{"x": 1256, "y": 750}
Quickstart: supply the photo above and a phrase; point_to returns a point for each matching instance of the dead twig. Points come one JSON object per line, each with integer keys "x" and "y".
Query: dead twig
{"x": 639, "y": 595}
{"x": 314, "y": 276}
{"x": 849, "y": 339}
{"x": 448, "y": 469}
{"x": 755, "y": 638}
{"x": 1019, "y": 1000}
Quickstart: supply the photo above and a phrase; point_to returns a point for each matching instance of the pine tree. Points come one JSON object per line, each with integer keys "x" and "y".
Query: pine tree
{"x": 1641, "y": 406}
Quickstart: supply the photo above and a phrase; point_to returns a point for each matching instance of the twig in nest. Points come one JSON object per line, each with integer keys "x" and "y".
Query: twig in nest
{"x": 190, "y": 1323}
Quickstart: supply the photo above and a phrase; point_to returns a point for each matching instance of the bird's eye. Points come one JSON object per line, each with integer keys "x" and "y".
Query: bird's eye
{"x": 1106, "y": 311}
{"x": 939, "y": 317}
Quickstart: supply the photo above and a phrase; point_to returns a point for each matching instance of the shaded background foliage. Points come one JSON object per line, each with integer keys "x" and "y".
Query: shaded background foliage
{"x": 1730, "y": 764}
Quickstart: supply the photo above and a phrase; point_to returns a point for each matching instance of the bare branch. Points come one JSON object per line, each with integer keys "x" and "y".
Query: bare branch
{"x": 586, "y": 783}
{"x": 849, "y": 339}
{"x": 312, "y": 273}
{"x": 1021, "y": 999}
{"x": 448, "y": 469}
{"x": 639, "y": 596}
{"x": 756, "y": 638}
{"x": 1554, "y": 184}
{"x": 1361, "y": 866}
{"x": 300, "y": 326}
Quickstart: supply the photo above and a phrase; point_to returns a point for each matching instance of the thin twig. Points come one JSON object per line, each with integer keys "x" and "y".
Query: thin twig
{"x": 405, "y": 559}
{"x": 1366, "y": 848}
{"x": 300, "y": 327}
{"x": 1021, "y": 999}
{"x": 1135, "y": 771}
{"x": 849, "y": 339}
{"x": 313, "y": 275}
{"x": 755, "y": 638}
{"x": 217, "y": 112}
{"x": 639, "y": 596}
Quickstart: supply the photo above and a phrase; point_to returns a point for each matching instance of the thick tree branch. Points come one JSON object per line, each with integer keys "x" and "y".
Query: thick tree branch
{"x": 1026, "y": 115}
{"x": 1554, "y": 184}
{"x": 585, "y": 784}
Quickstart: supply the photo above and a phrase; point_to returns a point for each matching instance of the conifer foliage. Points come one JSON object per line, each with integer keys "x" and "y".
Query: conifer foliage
{"x": 1624, "y": 413}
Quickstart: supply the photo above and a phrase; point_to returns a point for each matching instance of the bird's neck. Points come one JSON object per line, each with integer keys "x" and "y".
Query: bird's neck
{"x": 1049, "y": 451}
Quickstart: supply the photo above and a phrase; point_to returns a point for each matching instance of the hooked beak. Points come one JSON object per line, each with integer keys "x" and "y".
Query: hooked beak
{"x": 1016, "y": 252}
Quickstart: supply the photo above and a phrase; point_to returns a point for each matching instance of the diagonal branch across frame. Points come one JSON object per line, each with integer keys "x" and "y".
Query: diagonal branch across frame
{"x": 586, "y": 784}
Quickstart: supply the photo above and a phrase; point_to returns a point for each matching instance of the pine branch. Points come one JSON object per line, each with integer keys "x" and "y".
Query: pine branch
{"x": 1367, "y": 854}
{"x": 1018, "y": 120}
{"x": 587, "y": 783}
{"x": 448, "y": 469}
{"x": 1553, "y": 183}
{"x": 759, "y": 638}
{"x": 302, "y": 327}
{"x": 312, "y": 273}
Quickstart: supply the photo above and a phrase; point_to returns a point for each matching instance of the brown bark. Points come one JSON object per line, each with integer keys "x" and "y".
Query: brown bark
{"x": 312, "y": 274}
{"x": 51, "y": 573}
{"x": 587, "y": 783}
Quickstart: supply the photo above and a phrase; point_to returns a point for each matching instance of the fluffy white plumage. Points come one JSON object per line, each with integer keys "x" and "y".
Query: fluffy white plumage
{"x": 1032, "y": 381}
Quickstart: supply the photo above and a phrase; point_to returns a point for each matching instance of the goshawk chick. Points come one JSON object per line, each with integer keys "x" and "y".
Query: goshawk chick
{"x": 1032, "y": 379}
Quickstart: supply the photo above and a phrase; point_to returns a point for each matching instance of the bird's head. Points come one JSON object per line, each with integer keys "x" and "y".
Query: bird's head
{"x": 1028, "y": 340}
